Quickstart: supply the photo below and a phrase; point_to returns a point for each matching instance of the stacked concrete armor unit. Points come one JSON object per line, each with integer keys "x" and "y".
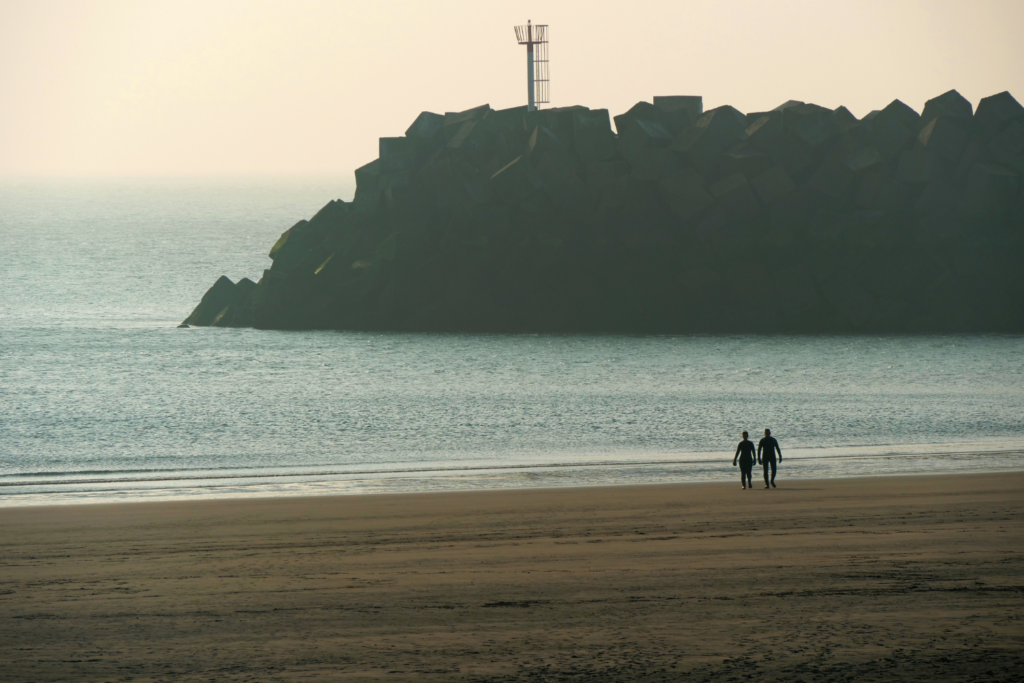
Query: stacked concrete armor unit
{"x": 798, "y": 219}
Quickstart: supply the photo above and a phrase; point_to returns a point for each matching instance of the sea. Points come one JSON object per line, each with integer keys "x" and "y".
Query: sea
{"x": 104, "y": 399}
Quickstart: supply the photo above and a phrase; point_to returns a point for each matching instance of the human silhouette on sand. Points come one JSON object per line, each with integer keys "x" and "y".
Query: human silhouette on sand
{"x": 745, "y": 454}
{"x": 766, "y": 448}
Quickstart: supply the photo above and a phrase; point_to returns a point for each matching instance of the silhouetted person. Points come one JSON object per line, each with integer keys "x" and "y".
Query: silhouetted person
{"x": 766, "y": 456}
{"x": 745, "y": 455}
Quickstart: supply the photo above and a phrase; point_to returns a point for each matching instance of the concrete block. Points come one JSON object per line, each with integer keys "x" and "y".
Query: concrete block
{"x": 396, "y": 154}
{"x": 332, "y": 216}
{"x": 725, "y": 124}
{"x": 542, "y": 139}
{"x": 754, "y": 116}
{"x": 788, "y": 104}
{"x": 538, "y": 212}
{"x": 367, "y": 196}
{"x": 849, "y": 300}
{"x": 516, "y": 181}
{"x": 704, "y": 144}
{"x": 409, "y": 205}
{"x": 592, "y": 135}
{"x": 864, "y": 229}
{"x": 427, "y": 127}
{"x": 933, "y": 225}
{"x": 651, "y": 133}
{"x": 698, "y": 151}
{"x": 613, "y": 195}
{"x": 640, "y": 110}
{"x": 491, "y": 218}
{"x": 672, "y": 103}
{"x": 239, "y": 312}
{"x": 950, "y": 105}
{"x": 864, "y": 159}
{"x": 557, "y": 119}
{"x": 944, "y": 137}
{"x": 875, "y": 190}
{"x": 792, "y": 158}
{"x": 472, "y": 138}
{"x": 712, "y": 224}
{"x": 901, "y": 113}
{"x": 976, "y": 152}
{"x": 807, "y": 109}
{"x": 504, "y": 147}
{"x": 832, "y": 179}
{"x": 601, "y": 175}
{"x": 996, "y": 112}
{"x": 765, "y": 132}
{"x": 340, "y": 244}
{"x": 641, "y": 135}
{"x": 508, "y": 120}
{"x": 680, "y": 111}
{"x": 392, "y": 179}
{"x": 843, "y": 119}
{"x": 1008, "y": 148}
{"x": 920, "y": 166}
{"x": 722, "y": 127}
{"x": 795, "y": 293}
{"x": 559, "y": 174}
{"x": 886, "y": 271}
{"x": 800, "y": 117}
{"x": 736, "y": 197}
{"x": 640, "y": 225}
{"x": 768, "y": 135}
{"x": 745, "y": 159}
{"x": 813, "y": 129}
{"x": 441, "y": 176}
{"x": 844, "y": 145}
{"x": 453, "y": 120}
{"x": 216, "y": 299}
{"x": 215, "y": 308}
{"x": 652, "y": 164}
{"x": 457, "y": 186}
{"x": 790, "y": 213}
{"x": 937, "y": 197}
{"x": 509, "y": 134}
{"x": 886, "y": 134}
{"x": 991, "y": 189}
{"x": 480, "y": 148}
{"x": 1017, "y": 218}
{"x": 685, "y": 193}
{"x": 772, "y": 185}
{"x": 642, "y": 237}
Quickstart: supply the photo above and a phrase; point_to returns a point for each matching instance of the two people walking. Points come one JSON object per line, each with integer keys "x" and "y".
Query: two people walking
{"x": 765, "y": 455}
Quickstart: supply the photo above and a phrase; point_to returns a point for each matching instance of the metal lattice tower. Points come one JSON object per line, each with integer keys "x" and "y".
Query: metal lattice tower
{"x": 535, "y": 38}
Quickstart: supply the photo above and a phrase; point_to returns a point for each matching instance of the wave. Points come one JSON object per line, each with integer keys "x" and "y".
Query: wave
{"x": 212, "y": 474}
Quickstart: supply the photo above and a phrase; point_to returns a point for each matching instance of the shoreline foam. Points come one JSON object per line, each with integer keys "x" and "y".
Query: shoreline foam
{"x": 698, "y": 468}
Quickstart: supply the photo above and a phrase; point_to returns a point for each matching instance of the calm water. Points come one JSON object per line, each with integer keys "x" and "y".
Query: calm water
{"x": 102, "y": 398}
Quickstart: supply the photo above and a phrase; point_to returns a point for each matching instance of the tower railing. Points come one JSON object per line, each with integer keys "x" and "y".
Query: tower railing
{"x": 535, "y": 38}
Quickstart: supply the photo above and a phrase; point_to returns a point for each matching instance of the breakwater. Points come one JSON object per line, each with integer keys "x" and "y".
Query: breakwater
{"x": 666, "y": 218}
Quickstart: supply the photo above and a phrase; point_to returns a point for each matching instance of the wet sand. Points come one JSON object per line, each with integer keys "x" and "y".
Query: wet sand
{"x": 903, "y": 578}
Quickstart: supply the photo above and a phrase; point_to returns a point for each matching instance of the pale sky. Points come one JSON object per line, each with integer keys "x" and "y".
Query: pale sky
{"x": 110, "y": 88}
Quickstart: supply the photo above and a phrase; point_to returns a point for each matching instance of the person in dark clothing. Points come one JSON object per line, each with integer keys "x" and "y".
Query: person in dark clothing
{"x": 745, "y": 455}
{"x": 766, "y": 456}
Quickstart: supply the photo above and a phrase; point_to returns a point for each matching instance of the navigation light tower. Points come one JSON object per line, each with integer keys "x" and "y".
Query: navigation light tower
{"x": 536, "y": 63}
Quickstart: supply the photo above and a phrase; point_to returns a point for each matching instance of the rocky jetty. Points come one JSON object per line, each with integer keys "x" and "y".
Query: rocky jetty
{"x": 798, "y": 219}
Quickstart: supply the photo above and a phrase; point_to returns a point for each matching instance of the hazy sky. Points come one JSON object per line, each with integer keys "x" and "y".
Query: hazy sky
{"x": 208, "y": 87}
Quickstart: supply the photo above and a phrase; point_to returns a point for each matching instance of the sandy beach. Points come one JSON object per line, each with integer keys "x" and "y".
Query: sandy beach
{"x": 903, "y": 578}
